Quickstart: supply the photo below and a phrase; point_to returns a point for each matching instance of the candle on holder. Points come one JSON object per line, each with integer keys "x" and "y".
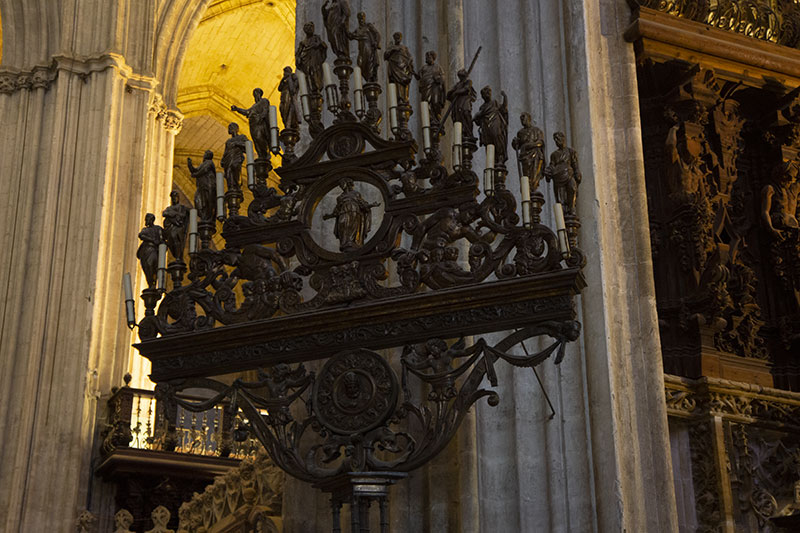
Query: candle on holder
{"x": 393, "y": 106}
{"x": 525, "y": 190}
{"x": 130, "y": 312}
{"x": 193, "y": 230}
{"x": 358, "y": 91}
{"x": 220, "y": 196}
{"x": 251, "y": 168}
{"x": 488, "y": 173}
{"x": 330, "y": 88}
{"x": 327, "y": 75}
{"x": 273, "y": 129}
{"x": 561, "y": 229}
{"x": 426, "y": 125}
{"x": 457, "y": 143}
{"x": 161, "y": 278}
{"x": 303, "y": 83}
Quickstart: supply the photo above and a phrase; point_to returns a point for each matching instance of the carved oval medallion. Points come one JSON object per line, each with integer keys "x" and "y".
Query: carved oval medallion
{"x": 355, "y": 392}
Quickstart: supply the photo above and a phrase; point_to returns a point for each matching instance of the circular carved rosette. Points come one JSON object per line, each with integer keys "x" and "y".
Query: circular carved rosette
{"x": 355, "y": 391}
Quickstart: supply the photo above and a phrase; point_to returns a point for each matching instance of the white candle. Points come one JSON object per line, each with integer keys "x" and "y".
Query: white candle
{"x": 273, "y": 129}
{"x": 561, "y": 229}
{"x": 130, "y": 312}
{"x": 488, "y": 173}
{"x": 489, "y": 156}
{"x": 327, "y": 75}
{"x": 426, "y": 125}
{"x": 220, "y": 196}
{"x": 127, "y": 286}
{"x": 251, "y": 169}
{"x": 457, "y": 132}
{"x": 161, "y": 277}
{"x": 525, "y": 188}
{"x": 192, "y": 231}
{"x": 358, "y": 91}
{"x": 303, "y": 83}
{"x": 393, "y": 106}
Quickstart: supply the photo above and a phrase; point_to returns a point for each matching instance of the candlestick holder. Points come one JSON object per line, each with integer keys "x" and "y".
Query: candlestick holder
{"x": 373, "y": 115}
{"x": 151, "y": 298}
{"x": 537, "y": 202}
{"x": 343, "y": 68}
{"x": 262, "y": 168}
{"x": 289, "y": 137}
{"x": 233, "y": 199}
{"x": 314, "y": 120}
{"x": 404, "y": 112}
{"x": 206, "y": 229}
{"x": 176, "y": 269}
{"x": 576, "y": 258}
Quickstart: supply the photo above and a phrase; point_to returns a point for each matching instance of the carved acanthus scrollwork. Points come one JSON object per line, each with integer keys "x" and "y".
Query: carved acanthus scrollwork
{"x": 360, "y": 416}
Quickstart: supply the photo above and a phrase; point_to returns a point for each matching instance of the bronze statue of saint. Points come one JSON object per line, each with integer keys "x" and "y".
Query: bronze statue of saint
{"x": 368, "y": 45}
{"x": 529, "y": 144}
{"x": 400, "y": 66}
{"x": 206, "y": 194}
{"x": 431, "y": 85}
{"x": 779, "y": 201}
{"x": 492, "y": 119}
{"x": 289, "y": 88}
{"x": 563, "y": 170}
{"x": 176, "y": 222}
{"x": 233, "y": 157}
{"x": 258, "y": 115}
{"x": 310, "y": 55}
{"x": 353, "y": 217}
{"x": 151, "y": 236}
{"x": 462, "y": 95}
{"x": 336, "y": 14}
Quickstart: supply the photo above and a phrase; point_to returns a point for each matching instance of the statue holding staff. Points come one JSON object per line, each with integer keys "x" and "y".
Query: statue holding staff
{"x": 462, "y": 96}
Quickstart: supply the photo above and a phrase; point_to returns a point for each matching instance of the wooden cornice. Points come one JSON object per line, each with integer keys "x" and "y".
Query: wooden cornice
{"x": 661, "y": 37}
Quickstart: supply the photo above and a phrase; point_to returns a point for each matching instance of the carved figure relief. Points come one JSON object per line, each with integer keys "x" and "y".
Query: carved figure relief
{"x": 353, "y": 217}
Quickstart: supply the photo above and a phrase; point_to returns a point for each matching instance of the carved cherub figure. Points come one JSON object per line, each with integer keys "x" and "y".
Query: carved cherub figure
{"x": 151, "y": 237}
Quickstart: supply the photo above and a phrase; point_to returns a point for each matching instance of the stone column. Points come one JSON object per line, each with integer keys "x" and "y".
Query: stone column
{"x": 85, "y": 149}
